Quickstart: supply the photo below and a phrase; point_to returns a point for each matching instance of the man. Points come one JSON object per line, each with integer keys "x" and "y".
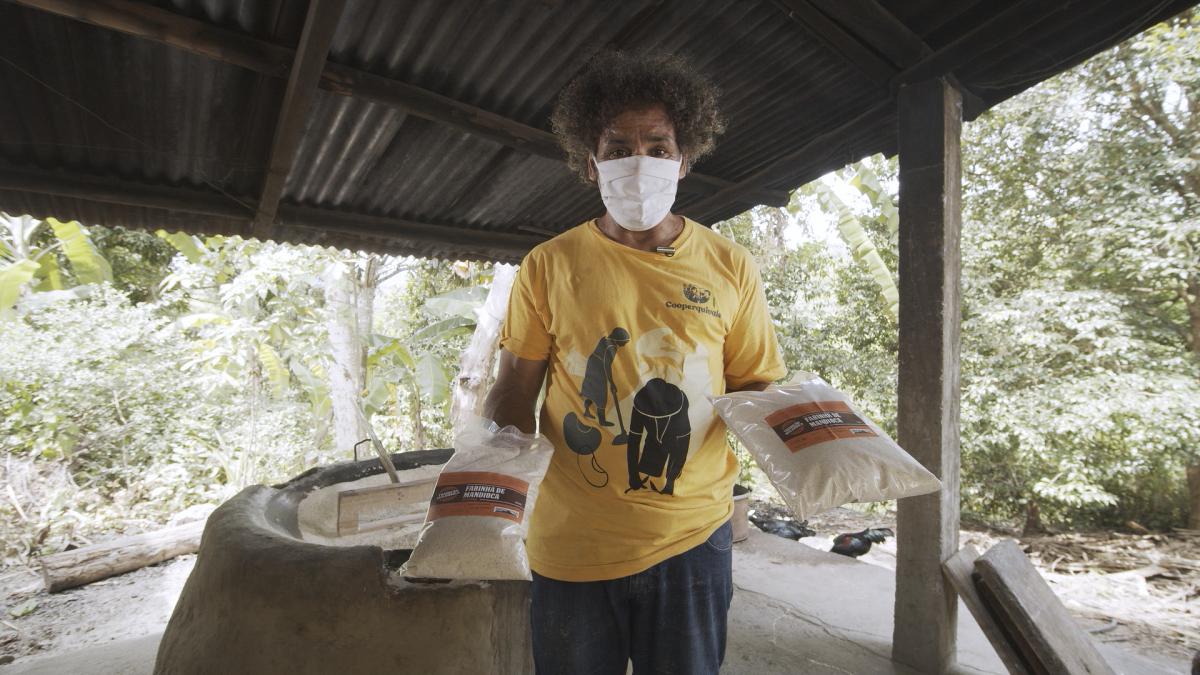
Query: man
{"x": 639, "y": 315}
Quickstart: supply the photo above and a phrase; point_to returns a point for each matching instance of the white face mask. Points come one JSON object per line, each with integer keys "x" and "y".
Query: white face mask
{"x": 638, "y": 191}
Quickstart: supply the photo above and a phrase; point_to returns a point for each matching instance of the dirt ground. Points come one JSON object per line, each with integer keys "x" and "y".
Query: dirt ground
{"x": 34, "y": 622}
{"x": 1139, "y": 590}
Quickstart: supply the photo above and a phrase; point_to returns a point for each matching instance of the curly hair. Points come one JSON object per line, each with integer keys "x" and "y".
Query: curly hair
{"x": 614, "y": 82}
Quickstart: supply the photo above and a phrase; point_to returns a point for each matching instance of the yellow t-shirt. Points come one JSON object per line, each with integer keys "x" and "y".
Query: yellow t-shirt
{"x": 635, "y": 342}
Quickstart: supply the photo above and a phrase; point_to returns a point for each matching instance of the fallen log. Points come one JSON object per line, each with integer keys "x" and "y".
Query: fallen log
{"x": 82, "y": 566}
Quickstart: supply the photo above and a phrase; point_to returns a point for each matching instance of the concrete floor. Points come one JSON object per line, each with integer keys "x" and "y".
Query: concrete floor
{"x": 800, "y": 610}
{"x": 795, "y": 610}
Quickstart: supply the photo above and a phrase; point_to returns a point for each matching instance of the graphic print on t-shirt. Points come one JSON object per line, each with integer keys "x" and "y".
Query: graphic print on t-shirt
{"x": 584, "y": 439}
{"x": 658, "y": 428}
{"x": 697, "y": 321}
{"x": 659, "y": 435}
{"x": 597, "y": 380}
{"x": 580, "y": 437}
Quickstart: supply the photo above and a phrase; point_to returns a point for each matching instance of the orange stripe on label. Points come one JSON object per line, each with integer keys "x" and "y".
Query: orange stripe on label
{"x": 478, "y": 493}
{"x": 807, "y": 424}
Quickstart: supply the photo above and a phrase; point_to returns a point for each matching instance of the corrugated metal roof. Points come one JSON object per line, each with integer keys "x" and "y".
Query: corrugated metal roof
{"x": 116, "y": 116}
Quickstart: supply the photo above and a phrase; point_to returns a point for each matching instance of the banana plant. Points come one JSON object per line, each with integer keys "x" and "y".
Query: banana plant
{"x": 390, "y": 365}
{"x": 867, "y": 182}
{"x": 247, "y": 305}
{"x": 27, "y": 264}
{"x": 855, "y": 235}
{"x": 454, "y": 313}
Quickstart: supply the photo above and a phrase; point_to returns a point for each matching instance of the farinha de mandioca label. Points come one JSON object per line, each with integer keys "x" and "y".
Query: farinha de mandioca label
{"x": 478, "y": 493}
{"x": 806, "y": 424}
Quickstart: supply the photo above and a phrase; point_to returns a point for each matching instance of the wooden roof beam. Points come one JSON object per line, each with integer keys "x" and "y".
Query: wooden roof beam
{"x": 319, "y": 26}
{"x": 232, "y": 212}
{"x": 1012, "y": 20}
{"x": 107, "y": 190}
{"x": 870, "y": 38}
{"x": 176, "y": 30}
{"x": 267, "y": 58}
{"x": 470, "y": 119}
{"x": 827, "y": 139}
{"x": 878, "y": 29}
{"x": 820, "y": 26}
{"x": 467, "y": 243}
{"x": 940, "y": 63}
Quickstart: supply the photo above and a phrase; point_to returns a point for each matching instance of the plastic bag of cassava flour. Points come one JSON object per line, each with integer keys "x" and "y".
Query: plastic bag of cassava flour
{"x": 475, "y": 526}
{"x": 818, "y": 449}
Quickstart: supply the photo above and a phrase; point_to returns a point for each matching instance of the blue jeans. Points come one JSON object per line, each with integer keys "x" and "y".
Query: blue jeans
{"x": 669, "y": 619}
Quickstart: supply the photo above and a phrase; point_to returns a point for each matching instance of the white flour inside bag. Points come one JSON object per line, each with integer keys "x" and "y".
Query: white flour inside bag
{"x": 476, "y": 523}
{"x": 818, "y": 449}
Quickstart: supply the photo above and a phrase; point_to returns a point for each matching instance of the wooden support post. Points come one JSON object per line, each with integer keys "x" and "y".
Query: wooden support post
{"x": 930, "y": 122}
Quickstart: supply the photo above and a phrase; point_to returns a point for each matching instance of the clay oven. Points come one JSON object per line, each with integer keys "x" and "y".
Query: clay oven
{"x": 276, "y": 590}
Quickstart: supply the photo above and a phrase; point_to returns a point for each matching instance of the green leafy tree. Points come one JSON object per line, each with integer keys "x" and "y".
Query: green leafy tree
{"x": 254, "y": 313}
{"x": 139, "y": 260}
{"x": 828, "y": 310}
{"x": 1082, "y": 279}
{"x": 431, "y": 316}
{"x": 100, "y": 429}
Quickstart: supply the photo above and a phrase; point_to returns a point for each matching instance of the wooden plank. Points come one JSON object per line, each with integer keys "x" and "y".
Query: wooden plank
{"x": 108, "y": 190}
{"x": 930, "y": 123}
{"x": 877, "y": 31}
{"x": 1020, "y": 645}
{"x": 319, "y": 26}
{"x": 377, "y": 507}
{"x": 704, "y": 183}
{"x": 958, "y": 570}
{"x": 303, "y": 217}
{"x": 470, "y": 119}
{"x": 1037, "y": 614}
{"x": 81, "y": 566}
{"x": 261, "y": 56}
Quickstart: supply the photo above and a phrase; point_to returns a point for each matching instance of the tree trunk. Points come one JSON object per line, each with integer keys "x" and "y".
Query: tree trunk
{"x": 347, "y": 374}
{"x": 93, "y": 563}
{"x": 475, "y": 367}
{"x": 1193, "y": 481}
{"x": 418, "y": 428}
{"x": 1033, "y": 520}
{"x": 365, "y": 281}
{"x": 1192, "y": 299}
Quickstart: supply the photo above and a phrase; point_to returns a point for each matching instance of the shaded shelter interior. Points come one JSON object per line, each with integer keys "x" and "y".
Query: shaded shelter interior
{"x": 426, "y": 132}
